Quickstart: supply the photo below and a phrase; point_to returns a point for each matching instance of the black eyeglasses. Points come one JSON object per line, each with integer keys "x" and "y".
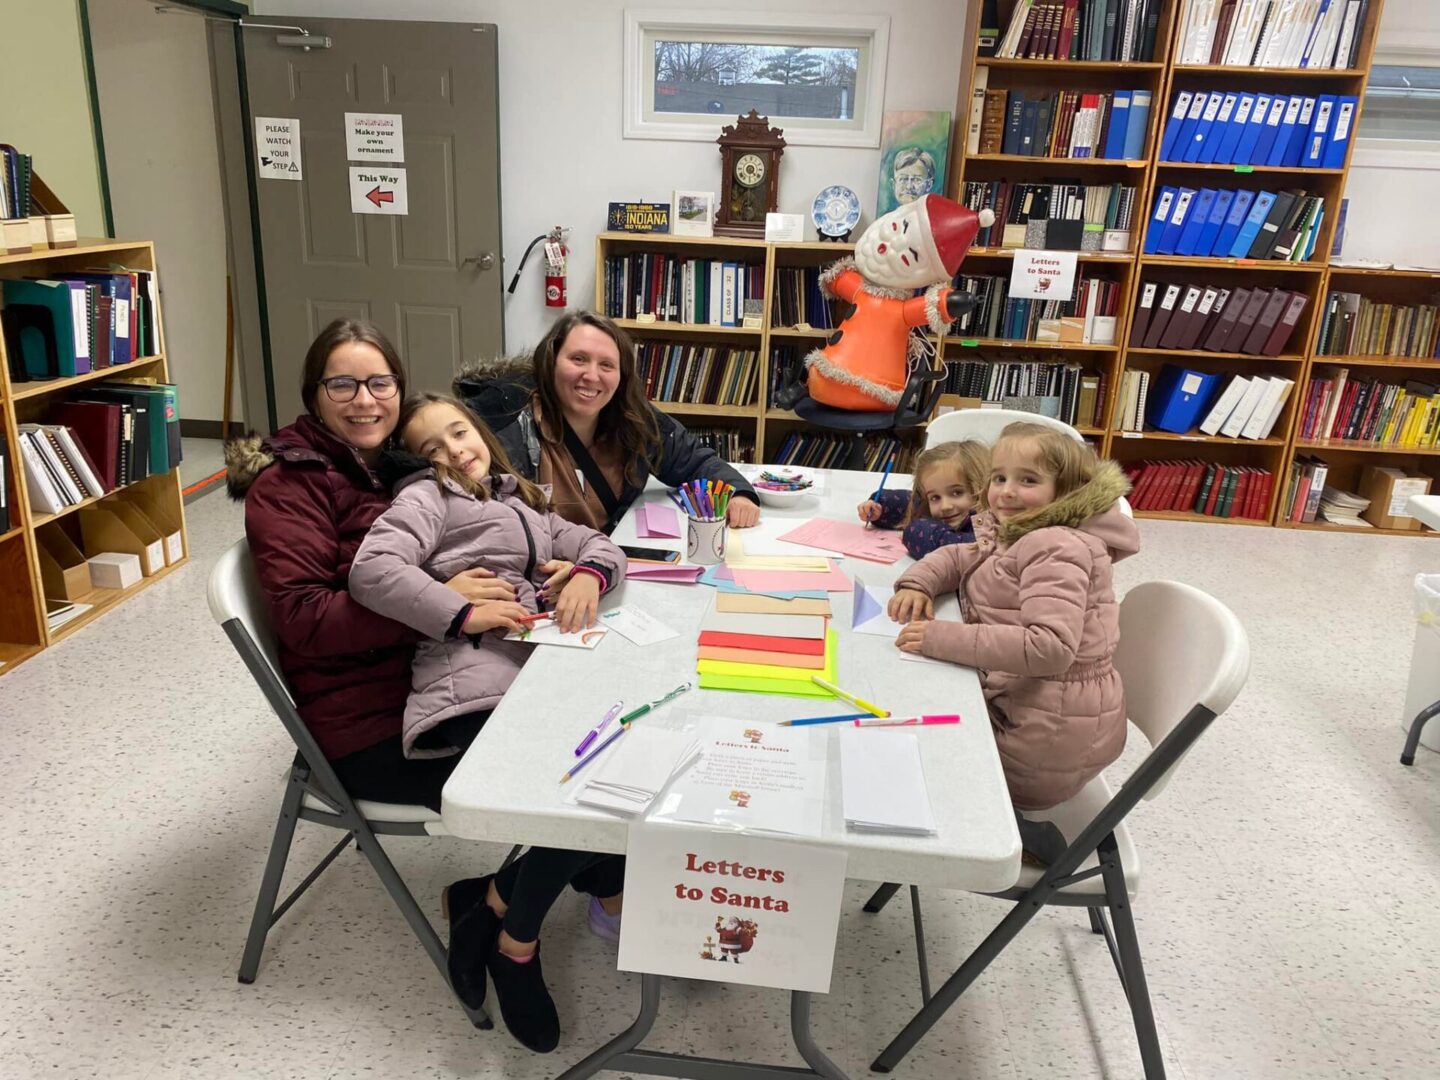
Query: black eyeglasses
{"x": 343, "y": 388}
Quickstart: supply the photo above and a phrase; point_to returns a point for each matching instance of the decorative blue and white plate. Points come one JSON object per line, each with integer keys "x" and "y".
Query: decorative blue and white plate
{"x": 836, "y": 210}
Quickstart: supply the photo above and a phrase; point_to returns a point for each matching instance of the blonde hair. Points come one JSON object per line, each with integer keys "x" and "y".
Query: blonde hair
{"x": 500, "y": 464}
{"x": 970, "y": 458}
{"x": 1069, "y": 462}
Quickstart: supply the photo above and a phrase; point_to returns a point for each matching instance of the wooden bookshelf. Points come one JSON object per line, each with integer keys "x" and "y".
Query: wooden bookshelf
{"x": 23, "y": 629}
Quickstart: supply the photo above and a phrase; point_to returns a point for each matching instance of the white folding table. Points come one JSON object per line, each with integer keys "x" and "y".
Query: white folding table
{"x": 506, "y": 789}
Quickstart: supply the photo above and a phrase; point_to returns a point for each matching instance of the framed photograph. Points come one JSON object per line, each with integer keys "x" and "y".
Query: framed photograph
{"x": 914, "y": 149}
{"x": 692, "y": 213}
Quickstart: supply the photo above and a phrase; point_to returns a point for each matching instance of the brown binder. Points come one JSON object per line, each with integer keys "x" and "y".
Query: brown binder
{"x": 1275, "y": 343}
{"x": 1265, "y": 325}
{"x": 1243, "y": 324}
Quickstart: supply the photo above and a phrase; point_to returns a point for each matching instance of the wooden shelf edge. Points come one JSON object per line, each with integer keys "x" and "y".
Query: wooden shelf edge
{"x": 13, "y": 533}
{"x": 1213, "y": 440}
{"x": 1421, "y": 363}
{"x": 747, "y": 412}
{"x": 88, "y": 246}
{"x": 1202, "y": 519}
{"x": 1354, "y": 447}
{"x": 1245, "y": 170}
{"x": 39, "y": 520}
{"x": 1234, "y": 264}
{"x": 21, "y": 391}
{"x": 1048, "y": 346}
{"x": 1071, "y": 65}
{"x": 104, "y": 603}
{"x": 14, "y": 654}
{"x": 1357, "y": 530}
{"x": 696, "y": 241}
{"x": 1235, "y": 69}
{"x": 1284, "y": 358}
{"x": 1119, "y": 257}
{"x": 1057, "y": 162}
{"x": 660, "y": 326}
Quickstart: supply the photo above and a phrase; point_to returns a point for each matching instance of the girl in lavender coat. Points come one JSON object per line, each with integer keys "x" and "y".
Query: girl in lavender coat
{"x": 461, "y": 505}
{"x": 938, "y": 510}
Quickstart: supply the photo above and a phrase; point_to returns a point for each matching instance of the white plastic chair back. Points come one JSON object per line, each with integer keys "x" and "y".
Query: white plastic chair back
{"x": 985, "y": 425}
{"x": 234, "y": 593}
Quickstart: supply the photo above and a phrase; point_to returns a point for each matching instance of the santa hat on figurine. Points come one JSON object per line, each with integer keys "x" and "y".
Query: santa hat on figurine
{"x": 919, "y": 243}
{"x": 950, "y": 229}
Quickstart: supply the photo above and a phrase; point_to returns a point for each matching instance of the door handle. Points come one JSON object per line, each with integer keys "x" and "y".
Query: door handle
{"x": 484, "y": 261}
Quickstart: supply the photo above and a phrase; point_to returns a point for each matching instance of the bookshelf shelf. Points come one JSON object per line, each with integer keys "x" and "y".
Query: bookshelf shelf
{"x": 1059, "y": 162}
{"x": 1382, "y": 272}
{"x": 1201, "y": 354}
{"x": 1353, "y": 447}
{"x": 1171, "y": 437}
{"x": 700, "y": 329}
{"x": 699, "y": 409}
{"x": 59, "y": 386}
{"x": 1118, "y": 258}
{"x": 1328, "y": 526}
{"x": 1246, "y": 170}
{"x": 1101, "y": 66}
{"x": 1273, "y": 265}
{"x": 795, "y": 332}
{"x": 1271, "y": 72}
{"x": 12, "y": 655}
{"x": 670, "y": 240}
{"x": 1416, "y": 362}
{"x": 1047, "y": 346}
{"x": 1204, "y": 519}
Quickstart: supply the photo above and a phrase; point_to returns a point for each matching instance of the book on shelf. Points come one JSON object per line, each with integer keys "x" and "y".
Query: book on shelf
{"x": 1053, "y": 215}
{"x": 1200, "y": 487}
{"x": 696, "y": 373}
{"x": 832, "y": 451}
{"x": 1107, "y": 30}
{"x": 731, "y": 444}
{"x": 1303, "y": 488}
{"x": 1340, "y": 406}
{"x": 1051, "y": 389}
{"x": 678, "y": 288}
{"x": 71, "y": 324}
{"x": 1235, "y": 224}
{"x": 1108, "y": 124}
{"x": 799, "y": 299}
{"x": 1089, "y": 318}
{"x": 1322, "y": 34}
{"x": 1239, "y": 127}
{"x": 16, "y": 173}
{"x": 1202, "y": 317}
{"x": 58, "y": 471}
{"x": 5, "y": 523}
{"x": 1355, "y": 325}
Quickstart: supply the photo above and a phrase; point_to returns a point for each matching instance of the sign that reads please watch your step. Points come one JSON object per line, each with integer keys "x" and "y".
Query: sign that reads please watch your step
{"x": 730, "y": 907}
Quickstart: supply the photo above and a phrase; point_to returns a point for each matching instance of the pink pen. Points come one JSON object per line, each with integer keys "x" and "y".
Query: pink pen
{"x": 906, "y": 721}
{"x": 598, "y": 728}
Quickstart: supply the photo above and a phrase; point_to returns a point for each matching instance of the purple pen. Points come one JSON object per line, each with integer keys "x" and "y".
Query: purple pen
{"x": 598, "y": 728}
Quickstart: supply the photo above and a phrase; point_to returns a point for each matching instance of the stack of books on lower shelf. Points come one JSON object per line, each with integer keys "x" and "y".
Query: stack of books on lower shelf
{"x": 709, "y": 374}
{"x": 1053, "y": 216}
{"x": 799, "y": 301}
{"x": 1200, "y": 487}
{"x": 832, "y": 452}
{"x": 1062, "y": 391}
{"x": 1355, "y": 325}
{"x": 730, "y": 444}
{"x": 1372, "y": 411}
{"x": 1089, "y": 319}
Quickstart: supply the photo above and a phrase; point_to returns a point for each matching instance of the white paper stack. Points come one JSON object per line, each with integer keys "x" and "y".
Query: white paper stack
{"x": 1344, "y": 507}
{"x": 883, "y": 784}
{"x": 633, "y": 771}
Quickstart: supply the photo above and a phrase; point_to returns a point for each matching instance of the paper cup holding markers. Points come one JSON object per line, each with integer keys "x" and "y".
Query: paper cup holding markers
{"x": 705, "y": 503}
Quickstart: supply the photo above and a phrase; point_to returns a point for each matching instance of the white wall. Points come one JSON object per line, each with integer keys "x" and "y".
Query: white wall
{"x": 157, "y": 114}
{"x": 562, "y": 155}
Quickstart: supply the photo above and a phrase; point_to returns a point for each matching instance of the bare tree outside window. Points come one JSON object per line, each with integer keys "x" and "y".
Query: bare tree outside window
{"x": 775, "y": 80}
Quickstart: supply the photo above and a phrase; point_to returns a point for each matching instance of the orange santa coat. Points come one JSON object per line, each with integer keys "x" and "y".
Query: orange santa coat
{"x": 864, "y": 365}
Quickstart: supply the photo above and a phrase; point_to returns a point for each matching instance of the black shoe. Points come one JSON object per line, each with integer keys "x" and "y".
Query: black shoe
{"x": 525, "y": 1003}
{"x": 457, "y": 898}
{"x": 473, "y": 931}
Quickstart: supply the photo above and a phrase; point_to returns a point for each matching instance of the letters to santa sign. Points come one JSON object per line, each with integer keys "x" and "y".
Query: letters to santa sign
{"x": 1043, "y": 275}
{"x": 730, "y": 907}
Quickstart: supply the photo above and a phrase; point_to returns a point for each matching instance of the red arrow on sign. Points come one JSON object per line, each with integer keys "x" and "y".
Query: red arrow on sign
{"x": 376, "y": 196}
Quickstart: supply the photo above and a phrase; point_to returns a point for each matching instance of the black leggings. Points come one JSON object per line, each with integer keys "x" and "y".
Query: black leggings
{"x": 532, "y": 883}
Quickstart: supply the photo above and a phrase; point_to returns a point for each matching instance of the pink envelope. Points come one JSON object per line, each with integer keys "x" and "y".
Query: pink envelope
{"x": 654, "y": 521}
{"x": 682, "y": 575}
{"x": 792, "y": 580}
{"x": 876, "y": 545}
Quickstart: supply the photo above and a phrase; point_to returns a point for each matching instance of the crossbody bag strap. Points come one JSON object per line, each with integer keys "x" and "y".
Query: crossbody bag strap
{"x": 594, "y": 477}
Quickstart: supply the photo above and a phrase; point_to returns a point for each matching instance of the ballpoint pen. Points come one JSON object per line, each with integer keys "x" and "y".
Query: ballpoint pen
{"x": 598, "y": 728}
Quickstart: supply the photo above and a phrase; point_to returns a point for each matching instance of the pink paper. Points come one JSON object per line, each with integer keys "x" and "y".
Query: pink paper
{"x": 876, "y": 545}
{"x": 657, "y": 522}
{"x": 831, "y": 580}
{"x": 684, "y": 575}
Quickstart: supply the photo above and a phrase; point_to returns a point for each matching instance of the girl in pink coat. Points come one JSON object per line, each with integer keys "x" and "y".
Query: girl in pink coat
{"x": 1041, "y": 619}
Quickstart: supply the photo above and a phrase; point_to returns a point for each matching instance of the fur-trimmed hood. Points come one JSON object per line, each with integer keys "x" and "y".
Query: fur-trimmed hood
{"x": 245, "y": 459}
{"x": 306, "y": 442}
{"x": 517, "y": 367}
{"x": 1090, "y": 508}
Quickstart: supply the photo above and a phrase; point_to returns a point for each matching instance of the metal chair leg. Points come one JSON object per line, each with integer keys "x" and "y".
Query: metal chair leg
{"x": 920, "y": 956}
{"x": 263, "y": 917}
{"x": 1101, "y": 925}
{"x": 1095, "y": 925}
{"x": 881, "y": 897}
{"x": 1132, "y": 969}
{"x": 1412, "y": 740}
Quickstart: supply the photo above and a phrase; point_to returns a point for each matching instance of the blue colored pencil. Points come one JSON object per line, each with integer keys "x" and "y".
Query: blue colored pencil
{"x": 825, "y": 719}
{"x": 884, "y": 476}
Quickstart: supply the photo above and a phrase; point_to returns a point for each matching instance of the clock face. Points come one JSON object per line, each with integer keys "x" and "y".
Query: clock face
{"x": 750, "y": 170}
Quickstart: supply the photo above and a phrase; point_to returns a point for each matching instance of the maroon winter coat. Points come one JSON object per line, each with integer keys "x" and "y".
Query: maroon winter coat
{"x": 309, "y": 501}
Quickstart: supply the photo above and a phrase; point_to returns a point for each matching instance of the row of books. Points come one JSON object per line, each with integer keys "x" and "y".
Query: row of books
{"x": 706, "y": 374}
{"x": 1185, "y": 401}
{"x": 1065, "y": 124}
{"x": 731, "y": 444}
{"x": 1087, "y": 319}
{"x": 1244, "y": 224}
{"x": 1209, "y": 318}
{"x": 1110, "y": 30}
{"x": 15, "y": 173}
{"x": 5, "y": 524}
{"x": 1355, "y": 325}
{"x": 1372, "y": 411}
{"x": 798, "y": 299}
{"x": 1061, "y": 391}
{"x": 71, "y": 324}
{"x": 1305, "y": 491}
{"x": 1053, "y": 216}
{"x": 1235, "y": 127}
{"x": 1201, "y": 487}
{"x": 832, "y": 452}
{"x": 675, "y": 288}
{"x": 1271, "y": 33}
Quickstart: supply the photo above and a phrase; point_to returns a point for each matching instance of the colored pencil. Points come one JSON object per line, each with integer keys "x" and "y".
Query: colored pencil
{"x": 826, "y": 720}
{"x": 844, "y": 695}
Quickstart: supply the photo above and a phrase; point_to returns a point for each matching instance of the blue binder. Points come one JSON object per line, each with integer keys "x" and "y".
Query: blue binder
{"x": 1259, "y": 211}
{"x": 1184, "y": 199}
{"x": 1225, "y": 147}
{"x": 1296, "y": 150}
{"x": 1178, "y": 111}
{"x": 1177, "y": 398}
{"x": 1234, "y": 221}
{"x": 1211, "y": 229}
{"x": 1341, "y": 128}
{"x": 1314, "y": 155}
{"x": 1281, "y": 146}
{"x": 1164, "y": 203}
{"x": 1198, "y": 105}
{"x": 1210, "y": 144}
{"x": 1195, "y": 222}
{"x": 1246, "y": 146}
{"x": 1137, "y": 125}
{"x": 1278, "y": 104}
{"x": 1114, "y": 147}
{"x": 1188, "y": 149}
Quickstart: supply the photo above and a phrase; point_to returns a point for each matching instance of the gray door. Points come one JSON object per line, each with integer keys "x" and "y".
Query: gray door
{"x": 430, "y": 279}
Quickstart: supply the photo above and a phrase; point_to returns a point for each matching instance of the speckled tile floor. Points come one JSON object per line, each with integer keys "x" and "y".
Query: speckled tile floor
{"x": 1287, "y": 914}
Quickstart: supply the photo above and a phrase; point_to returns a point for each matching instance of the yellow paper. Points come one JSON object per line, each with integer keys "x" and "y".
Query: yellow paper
{"x": 769, "y": 678}
{"x": 736, "y": 557}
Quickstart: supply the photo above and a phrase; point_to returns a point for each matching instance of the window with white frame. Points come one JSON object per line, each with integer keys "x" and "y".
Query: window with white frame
{"x": 686, "y": 72}
{"x": 1402, "y": 102}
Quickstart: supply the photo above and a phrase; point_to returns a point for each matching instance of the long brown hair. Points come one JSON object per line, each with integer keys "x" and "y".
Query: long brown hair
{"x": 970, "y": 458}
{"x": 1072, "y": 463}
{"x": 343, "y": 332}
{"x": 626, "y": 419}
{"x": 500, "y": 463}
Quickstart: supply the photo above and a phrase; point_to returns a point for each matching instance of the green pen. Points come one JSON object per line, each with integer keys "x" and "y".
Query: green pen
{"x": 643, "y": 709}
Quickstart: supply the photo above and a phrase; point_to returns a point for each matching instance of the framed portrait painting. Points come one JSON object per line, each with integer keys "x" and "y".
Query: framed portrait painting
{"x": 914, "y": 149}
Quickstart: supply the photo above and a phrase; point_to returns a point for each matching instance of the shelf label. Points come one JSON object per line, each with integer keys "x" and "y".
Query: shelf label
{"x": 1244, "y": 168}
{"x": 970, "y": 342}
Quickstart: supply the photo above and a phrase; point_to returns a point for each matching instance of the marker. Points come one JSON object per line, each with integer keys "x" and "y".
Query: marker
{"x": 643, "y": 709}
{"x": 844, "y": 695}
{"x": 907, "y": 721}
{"x": 598, "y": 728}
{"x": 824, "y": 720}
{"x": 537, "y": 617}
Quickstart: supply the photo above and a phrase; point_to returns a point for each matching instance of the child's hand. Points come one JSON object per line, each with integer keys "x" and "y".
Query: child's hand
{"x": 912, "y": 637}
{"x": 742, "y": 514}
{"x": 869, "y": 510}
{"x": 908, "y": 605}
{"x": 478, "y": 585}
{"x": 578, "y": 603}
{"x": 559, "y": 571}
{"x": 495, "y": 614}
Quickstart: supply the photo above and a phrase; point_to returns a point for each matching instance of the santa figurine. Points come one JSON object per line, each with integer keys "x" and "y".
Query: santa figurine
{"x": 864, "y": 365}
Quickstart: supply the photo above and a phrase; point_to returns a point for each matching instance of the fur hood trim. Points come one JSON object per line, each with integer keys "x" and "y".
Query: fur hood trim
{"x": 1073, "y": 510}
{"x": 517, "y": 367}
{"x": 835, "y": 269}
{"x": 245, "y": 459}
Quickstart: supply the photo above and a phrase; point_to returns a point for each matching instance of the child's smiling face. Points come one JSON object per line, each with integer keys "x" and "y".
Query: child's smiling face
{"x": 947, "y": 497}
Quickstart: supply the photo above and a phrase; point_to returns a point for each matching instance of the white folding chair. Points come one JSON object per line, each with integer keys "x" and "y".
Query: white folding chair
{"x": 1183, "y": 657}
{"x": 312, "y": 790}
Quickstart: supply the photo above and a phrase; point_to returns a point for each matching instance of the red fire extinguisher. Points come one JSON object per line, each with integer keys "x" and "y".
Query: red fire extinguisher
{"x": 555, "y": 253}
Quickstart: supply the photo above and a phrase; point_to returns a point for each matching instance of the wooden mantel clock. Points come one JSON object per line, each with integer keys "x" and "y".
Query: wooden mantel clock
{"x": 750, "y": 151}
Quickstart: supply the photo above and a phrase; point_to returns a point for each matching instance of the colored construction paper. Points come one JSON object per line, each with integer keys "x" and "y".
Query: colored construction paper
{"x": 774, "y": 680}
{"x": 673, "y": 572}
{"x": 875, "y": 545}
{"x": 767, "y": 581}
{"x": 657, "y": 522}
{"x": 867, "y": 612}
{"x": 723, "y": 579}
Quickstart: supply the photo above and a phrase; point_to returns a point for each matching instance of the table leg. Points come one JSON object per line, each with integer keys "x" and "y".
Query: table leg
{"x": 805, "y": 1041}
{"x": 628, "y": 1039}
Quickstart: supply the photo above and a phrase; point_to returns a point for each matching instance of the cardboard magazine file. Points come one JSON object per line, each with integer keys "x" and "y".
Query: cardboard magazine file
{"x": 160, "y": 523}
{"x": 105, "y": 530}
{"x": 63, "y": 569}
{"x": 144, "y": 528}
{"x": 54, "y": 216}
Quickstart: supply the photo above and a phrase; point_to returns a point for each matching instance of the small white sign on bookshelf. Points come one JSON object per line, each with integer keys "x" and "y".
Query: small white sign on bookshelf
{"x": 1043, "y": 275}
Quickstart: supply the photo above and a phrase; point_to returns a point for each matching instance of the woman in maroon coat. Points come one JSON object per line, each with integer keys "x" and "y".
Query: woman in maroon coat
{"x": 311, "y": 493}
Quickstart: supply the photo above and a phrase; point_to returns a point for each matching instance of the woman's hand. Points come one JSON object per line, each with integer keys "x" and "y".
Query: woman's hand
{"x": 869, "y": 510}
{"x": 908, "y": 605}
{"x": 578, "y": 603}
{"x": 742, "y": 513}
{"x": 479, "y": 585}
{"x": 559, "y": 571}
{"x": 912, "y": 637}
{"x": 495, "y": 614}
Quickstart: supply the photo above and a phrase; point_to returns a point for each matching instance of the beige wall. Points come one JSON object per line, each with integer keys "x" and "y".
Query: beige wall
{"x": 45, "y": 104}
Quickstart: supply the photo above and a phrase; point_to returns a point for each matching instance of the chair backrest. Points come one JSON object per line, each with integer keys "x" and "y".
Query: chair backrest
{"x": 234, "y": 592}
{"x": 985, "y": 425}
{"x": 1179, "y": 648}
